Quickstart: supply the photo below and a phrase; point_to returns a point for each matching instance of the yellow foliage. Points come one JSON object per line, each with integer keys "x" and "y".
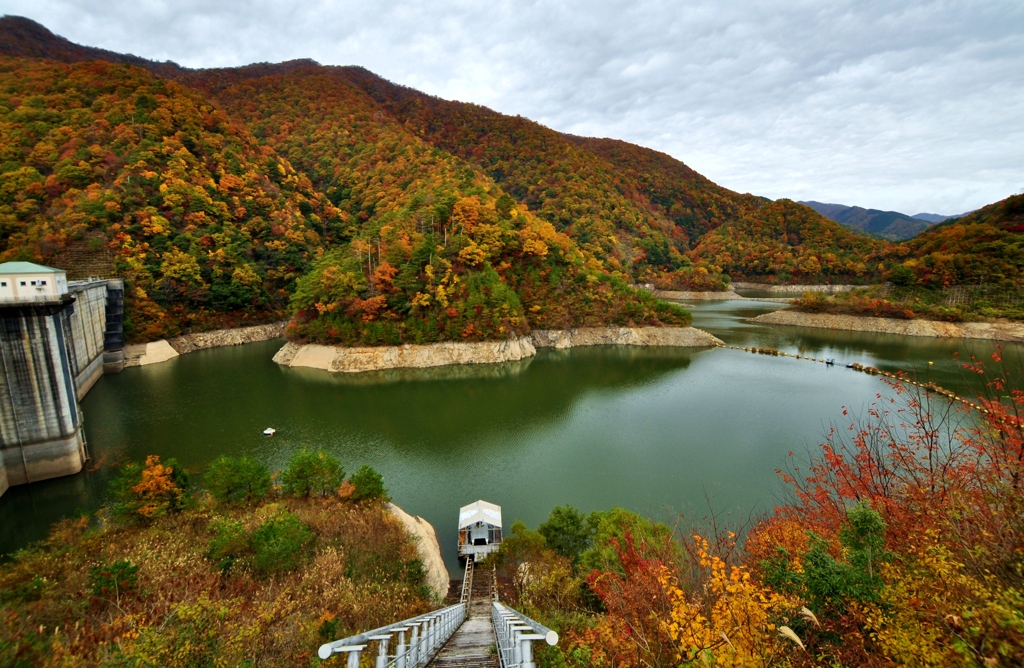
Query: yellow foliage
{"x": 933, "y": 612}
{"x": 734, "y": 624}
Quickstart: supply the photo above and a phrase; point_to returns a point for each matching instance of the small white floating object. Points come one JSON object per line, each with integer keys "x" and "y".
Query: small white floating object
{"x": 269, "y": 431}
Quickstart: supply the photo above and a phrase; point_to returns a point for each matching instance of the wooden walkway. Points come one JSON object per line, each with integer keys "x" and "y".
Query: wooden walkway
{"x": 474, "y": 644}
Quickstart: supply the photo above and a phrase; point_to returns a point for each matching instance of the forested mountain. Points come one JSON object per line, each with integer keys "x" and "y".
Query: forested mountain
{"x": 208, "y": 227}
{"x": 890, "y": 225}
{"x": 437, "y": 249}
{"x": 375, "y": 213}
{"x": 21, "y": 37}
{"x": 985, "y": 247}
{"x": 789, "y": 242}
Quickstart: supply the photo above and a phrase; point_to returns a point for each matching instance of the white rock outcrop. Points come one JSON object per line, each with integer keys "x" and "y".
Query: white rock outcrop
{"x": 428, "y": 548}
{"x": 358, "y": 359}
{"x": 679, "y": 337}
{"x": 142, "y": 354}
{"x": 695, "y": 296}
{"x": 375, "y": 358}
{"x": 798, "y": 289}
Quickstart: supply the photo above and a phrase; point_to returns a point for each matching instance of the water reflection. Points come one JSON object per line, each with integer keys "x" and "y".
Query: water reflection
{"x": 652, "y": 429}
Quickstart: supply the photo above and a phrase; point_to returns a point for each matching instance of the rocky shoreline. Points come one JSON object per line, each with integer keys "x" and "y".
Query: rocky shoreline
{"x": 995, "y": 331}
{"x": 340, "y": 359}
{"x": 143, "y": 354}
{"x": 428, "y": 548}
{"x": 695, "y": 296}
{"x": 793, "y": 289}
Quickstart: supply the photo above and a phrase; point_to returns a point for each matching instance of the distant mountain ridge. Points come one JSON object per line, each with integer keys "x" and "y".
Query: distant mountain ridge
{"x": 891, "y": 225}
{"x": 25, "y": 38}
{"x": 937, "y": 217}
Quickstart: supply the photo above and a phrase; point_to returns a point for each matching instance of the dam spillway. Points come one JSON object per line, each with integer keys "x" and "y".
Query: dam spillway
{"x": 56, "y": 340}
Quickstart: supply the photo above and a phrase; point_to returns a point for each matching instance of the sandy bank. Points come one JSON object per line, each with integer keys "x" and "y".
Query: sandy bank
{"x": 142, "y": 354}
{"x": 428, "y": 548}
{"x": 996, "y": 331}
{"x": 377, "y": 358}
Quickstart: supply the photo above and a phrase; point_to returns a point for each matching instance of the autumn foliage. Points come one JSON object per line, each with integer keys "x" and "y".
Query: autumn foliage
{"x": 903, "y": 546}
{"x": 165, "y": 577}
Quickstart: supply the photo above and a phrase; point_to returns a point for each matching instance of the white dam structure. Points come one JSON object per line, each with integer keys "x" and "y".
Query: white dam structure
{"x": 56, "y": 339}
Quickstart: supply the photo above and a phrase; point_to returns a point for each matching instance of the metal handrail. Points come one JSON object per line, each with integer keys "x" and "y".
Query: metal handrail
{"x": 437, "y": 627}
{"x": 516, "y": 633}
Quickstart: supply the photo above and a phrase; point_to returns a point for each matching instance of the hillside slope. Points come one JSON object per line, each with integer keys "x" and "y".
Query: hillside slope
{"x": 437, "y": 249}
{"x": 984, "y": 247}
{"x": 419, "y": 218}
{"x": 610, "y": 200}
{"x": 787, "y": 242}
{"x": 209, "y": 228}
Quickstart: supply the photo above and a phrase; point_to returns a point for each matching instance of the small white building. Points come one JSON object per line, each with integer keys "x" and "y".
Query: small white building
{"x": 479, "y": 529}
{"x": 30, "y": 282}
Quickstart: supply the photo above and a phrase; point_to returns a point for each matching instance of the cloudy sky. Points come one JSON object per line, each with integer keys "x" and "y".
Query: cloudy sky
{"x": 911, "y": 106}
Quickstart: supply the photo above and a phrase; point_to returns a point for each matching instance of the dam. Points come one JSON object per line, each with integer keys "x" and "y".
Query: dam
{"x": 56, "y": 339}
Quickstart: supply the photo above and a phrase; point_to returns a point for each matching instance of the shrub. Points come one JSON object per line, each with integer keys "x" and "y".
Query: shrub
{"x": 150, "y": 491}
{"x": 278, "y": 544}
{"x": 566, "y": 532}
{"x": 368, "y": 484}
{"x": 112, "y": 579}
{"x": 237, "y": 480}
{"x": 230, "y": 544}
{"x": 311, "y": 472}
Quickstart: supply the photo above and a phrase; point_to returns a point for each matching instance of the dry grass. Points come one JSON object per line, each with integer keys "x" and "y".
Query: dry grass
{"x": 361, "y": 572}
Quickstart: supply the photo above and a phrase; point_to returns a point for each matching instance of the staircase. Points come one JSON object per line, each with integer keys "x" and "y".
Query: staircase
{"x": 477, "y": 632}
{"x": 473, "y": 645}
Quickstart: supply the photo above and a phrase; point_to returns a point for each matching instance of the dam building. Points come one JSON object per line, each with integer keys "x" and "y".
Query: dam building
{"x": 56, "y": 339}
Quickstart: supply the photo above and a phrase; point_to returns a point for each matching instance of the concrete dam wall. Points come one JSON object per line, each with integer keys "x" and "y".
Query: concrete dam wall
{"x": 51, "y": 354}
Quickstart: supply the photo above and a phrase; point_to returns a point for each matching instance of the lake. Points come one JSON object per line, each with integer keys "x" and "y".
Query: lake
{"x": 659, "y": 431}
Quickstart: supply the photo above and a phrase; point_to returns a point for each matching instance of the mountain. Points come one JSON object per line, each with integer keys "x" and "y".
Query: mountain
{"x": 21, "y": 37}
{"x": 126, "y": 159}
{"x": 936, "y": 217}
{"x": 984, "y": 247}
{"x": 787, "y": 242}
{"x": 208, "y": 227}
{"x": 371, "y": 212}
{"x": 890, "y": 225}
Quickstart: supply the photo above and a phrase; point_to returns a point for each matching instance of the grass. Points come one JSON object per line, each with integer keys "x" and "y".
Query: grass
{"x": 100, "y": 592}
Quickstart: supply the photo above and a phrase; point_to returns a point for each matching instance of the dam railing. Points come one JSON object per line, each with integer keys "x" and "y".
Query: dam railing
{"x": 515, "y": 634}
{"x": 426, "y": 635}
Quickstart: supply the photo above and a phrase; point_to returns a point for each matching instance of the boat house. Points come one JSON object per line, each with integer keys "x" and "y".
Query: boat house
{"x": 479, "y": 529}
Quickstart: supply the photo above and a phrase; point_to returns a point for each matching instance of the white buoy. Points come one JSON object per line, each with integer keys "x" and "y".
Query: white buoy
{"x": 269, "y": 431}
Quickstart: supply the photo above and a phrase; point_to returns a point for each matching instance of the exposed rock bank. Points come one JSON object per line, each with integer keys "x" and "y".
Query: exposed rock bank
{"x": 997, "y": 331}
{"x": 680, "y": 337}
{"x": 153, "y": 352}
{"x": 692, "y": 296}
{"x": 377, "y": 358}
{"x": 428, "y": 548}
{"x": 798, "y": 289}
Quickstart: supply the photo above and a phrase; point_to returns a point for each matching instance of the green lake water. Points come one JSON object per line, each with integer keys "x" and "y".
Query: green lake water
{"x": 659, "y": 431}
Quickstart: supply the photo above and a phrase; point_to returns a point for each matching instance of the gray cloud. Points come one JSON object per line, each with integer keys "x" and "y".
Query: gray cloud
{"x": 907, "y": 106}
